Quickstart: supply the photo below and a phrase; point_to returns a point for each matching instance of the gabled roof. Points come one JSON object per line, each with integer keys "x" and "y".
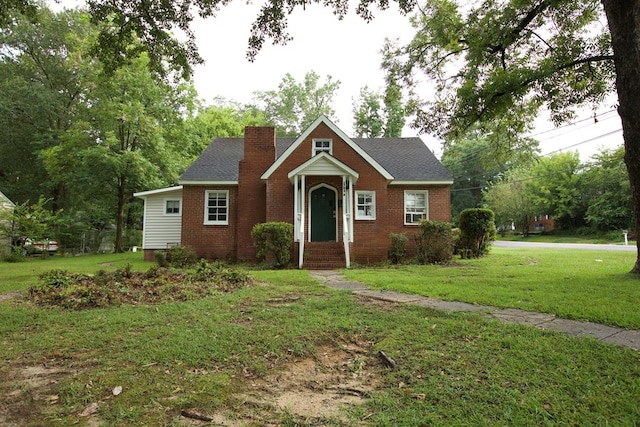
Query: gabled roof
{"x": 405, "y": 160}
{"x": 341, "y": 135}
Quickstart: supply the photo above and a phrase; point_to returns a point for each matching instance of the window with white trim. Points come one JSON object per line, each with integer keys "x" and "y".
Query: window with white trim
{"x": 322, "y": 145}
{"x": 216, "y": 207}
{"x": 172, "y": 207}
{"x": 365, "y": 205}
{"x": 416, "y": 206}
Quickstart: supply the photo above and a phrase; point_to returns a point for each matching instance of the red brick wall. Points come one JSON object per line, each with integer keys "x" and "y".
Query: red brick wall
{"x": 209, "y": 241}
{"x": 371, "y": 238}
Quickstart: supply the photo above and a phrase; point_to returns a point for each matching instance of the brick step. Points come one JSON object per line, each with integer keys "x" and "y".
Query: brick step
{"x": 323, "y": 255}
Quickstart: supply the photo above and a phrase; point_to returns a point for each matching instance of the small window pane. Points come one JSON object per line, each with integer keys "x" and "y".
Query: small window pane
{"x": 217, "y": 207}
{"x": 365, "y": 205}
{"x": 415, "y": 207}
{"x": 172, "y": 207}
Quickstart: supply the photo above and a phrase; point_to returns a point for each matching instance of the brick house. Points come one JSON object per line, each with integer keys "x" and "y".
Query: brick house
{"x": 343, "y": 195}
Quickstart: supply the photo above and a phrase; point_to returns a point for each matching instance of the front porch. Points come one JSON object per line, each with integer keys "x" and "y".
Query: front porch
{"x": 323, "y": 212}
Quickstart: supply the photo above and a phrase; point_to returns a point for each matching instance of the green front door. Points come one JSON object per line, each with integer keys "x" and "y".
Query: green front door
{"x": 323, "y": 215}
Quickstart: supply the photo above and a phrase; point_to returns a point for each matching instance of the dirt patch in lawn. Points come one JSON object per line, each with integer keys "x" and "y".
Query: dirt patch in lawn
{"x": 29, "y": 393}
{"x": 315, "y": 390}
{"x": 7, "y": 296}
{"x": 312, "y": 390}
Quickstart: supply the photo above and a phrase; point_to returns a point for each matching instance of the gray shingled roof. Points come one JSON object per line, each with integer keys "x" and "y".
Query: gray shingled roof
{"x": 407, "y": 159}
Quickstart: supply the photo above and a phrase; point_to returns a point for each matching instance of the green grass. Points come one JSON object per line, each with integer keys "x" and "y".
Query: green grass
{"x": 21, "y": 275}
{"x": 576, "y": 284}
{"x": 558, "y": 237}
{"x": 454, "y": 369}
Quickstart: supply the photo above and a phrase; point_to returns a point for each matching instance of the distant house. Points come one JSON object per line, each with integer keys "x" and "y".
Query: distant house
{"x": 343, "y": 195}
{"x": 6, "y": 205}
{"x": 542, "y": 223}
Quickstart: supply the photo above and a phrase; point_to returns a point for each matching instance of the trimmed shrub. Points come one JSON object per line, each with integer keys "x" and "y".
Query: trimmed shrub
{"x": 434, "y": 243}
{"x": 182, "y": 256}
{"x": 398, "y": 247}
{"x": 273, "y": 239}
{"x": 477, "y": 231}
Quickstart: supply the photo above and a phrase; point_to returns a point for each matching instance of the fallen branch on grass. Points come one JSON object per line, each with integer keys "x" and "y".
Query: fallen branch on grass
{"x": 387, "y": 360}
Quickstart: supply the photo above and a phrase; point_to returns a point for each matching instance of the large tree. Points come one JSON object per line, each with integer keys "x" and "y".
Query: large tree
{"x": 496, "y": 57}
{"x": 295, "y": 105}
{"x": 43, "y": 80}
{"x": 502, "y": 59}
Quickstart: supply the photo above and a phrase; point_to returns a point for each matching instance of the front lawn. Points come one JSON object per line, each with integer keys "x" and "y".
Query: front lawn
{"x": 286, "y": 351}
{"x": 576, "y": 284}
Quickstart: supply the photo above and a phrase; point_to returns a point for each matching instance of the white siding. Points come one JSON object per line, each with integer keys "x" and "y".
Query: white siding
{"x": 160, "y": 230}
{"x": 323, "y": 167}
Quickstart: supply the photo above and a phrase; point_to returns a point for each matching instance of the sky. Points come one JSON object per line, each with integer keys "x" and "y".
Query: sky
{"x": 349, "y": 51}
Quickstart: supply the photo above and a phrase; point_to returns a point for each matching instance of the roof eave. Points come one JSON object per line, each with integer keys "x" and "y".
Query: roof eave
{"x": 421, "y": 182}
{"x": 208, "y": 182}
{"x": 144, "y": 194}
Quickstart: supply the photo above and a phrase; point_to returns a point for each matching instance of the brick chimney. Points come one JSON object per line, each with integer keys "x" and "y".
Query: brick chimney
{"x": 259, "y": 155}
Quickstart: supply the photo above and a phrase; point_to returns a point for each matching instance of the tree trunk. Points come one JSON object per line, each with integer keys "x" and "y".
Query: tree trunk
{"x": 122, "y": 198}
{"x": 624, "y": 21}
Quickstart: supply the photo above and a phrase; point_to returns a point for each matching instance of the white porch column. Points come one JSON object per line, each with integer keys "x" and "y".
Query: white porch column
{"x": 300, "y": 191}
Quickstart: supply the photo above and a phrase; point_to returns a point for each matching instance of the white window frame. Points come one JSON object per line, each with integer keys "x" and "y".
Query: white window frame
{"x": 407, "y": 210}
{"x": 361, "y": 216}
{"x": 207, "y": 221}
{"x": 166, "y": 202}
{"x": 317, "y": 150}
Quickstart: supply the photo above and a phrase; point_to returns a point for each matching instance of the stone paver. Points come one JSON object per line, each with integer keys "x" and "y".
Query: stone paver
{"x": 514, "y": 315}
{"x": 390, "y": 296}
{"x": 608, "y": 334}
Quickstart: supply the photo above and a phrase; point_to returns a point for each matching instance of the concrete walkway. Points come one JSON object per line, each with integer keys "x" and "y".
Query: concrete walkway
{"x": 608, "y": 334}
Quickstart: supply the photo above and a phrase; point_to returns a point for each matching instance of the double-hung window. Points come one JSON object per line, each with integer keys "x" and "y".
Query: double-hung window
{"x": 216, "y": 208}
{"x": 172, "y": 207}
{"x": 416, "y": 206}
{"x": 366, "y": 205}
{"x": 322, "y": 145}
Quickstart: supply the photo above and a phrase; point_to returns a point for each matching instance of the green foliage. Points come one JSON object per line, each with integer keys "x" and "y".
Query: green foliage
{"x": 161, "y": 258}
{"x": 477, "y": 231}
{"x": 510, "y": 201}
{"x": 608, "y": 192}
{"x": 502, "y": 61}
{"x": 35, "y": 221}
{"x": 398, "y": 247}
{"x": 367, "y": 118}
{"x": 434, "y": 243}
{"x": 273, "y": 239}
{"x": 556, "y": 187}
{"x": 478, "y": 162}
{"x": 181, "y": 256}
{"x": 294, "y": 106}
{"x": 371, "y": 120}
{"x": 178, "y": 256}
